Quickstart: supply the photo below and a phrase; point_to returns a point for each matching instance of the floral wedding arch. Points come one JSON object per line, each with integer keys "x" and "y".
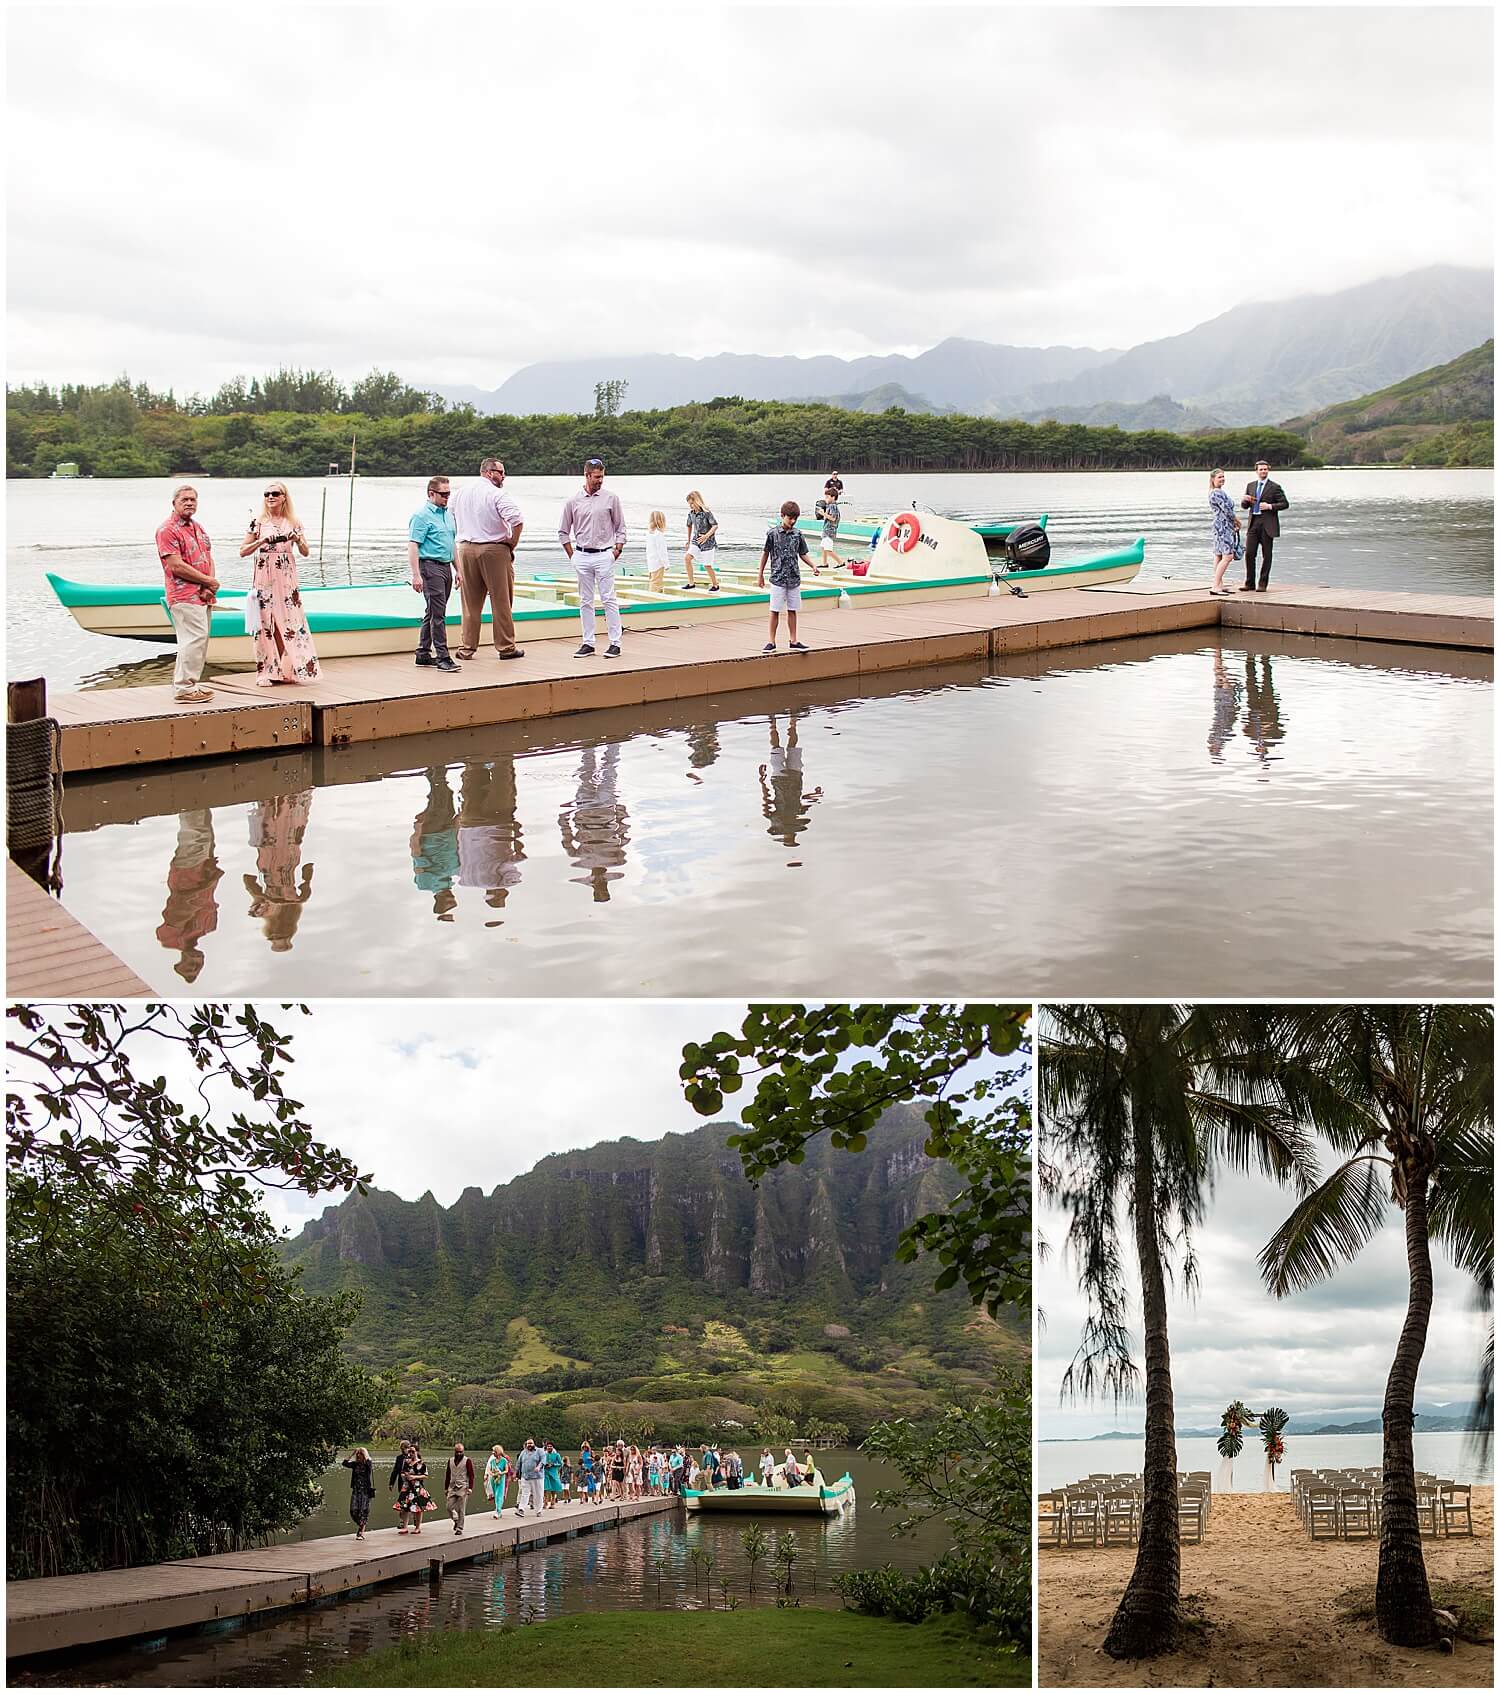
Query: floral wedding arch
{"x": 1236, "y": 1419}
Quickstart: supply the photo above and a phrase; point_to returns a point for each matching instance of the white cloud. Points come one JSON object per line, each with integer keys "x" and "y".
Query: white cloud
{"x": 1328, "y": 1348}
{"x": 457, "y": 192}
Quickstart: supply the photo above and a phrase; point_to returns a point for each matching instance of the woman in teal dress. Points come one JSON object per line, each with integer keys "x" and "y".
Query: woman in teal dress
{"x": 551, "y": 1477}
{"x": 496, "y": 1472}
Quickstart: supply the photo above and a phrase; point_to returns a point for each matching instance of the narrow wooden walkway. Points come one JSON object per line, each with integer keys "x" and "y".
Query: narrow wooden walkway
{"x": 58, "y": 1612}
{"x": 371, "y": 699}
{"x": 49, "y": 953}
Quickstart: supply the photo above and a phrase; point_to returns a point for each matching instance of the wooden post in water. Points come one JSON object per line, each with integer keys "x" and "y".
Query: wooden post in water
{"x": 33, "y": 788}
{"x": 349, "y": 538}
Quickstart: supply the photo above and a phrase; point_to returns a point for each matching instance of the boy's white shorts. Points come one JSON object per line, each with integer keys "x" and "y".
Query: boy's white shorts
{"x": 785, "y": 599}
{"x": 709, "y": 555}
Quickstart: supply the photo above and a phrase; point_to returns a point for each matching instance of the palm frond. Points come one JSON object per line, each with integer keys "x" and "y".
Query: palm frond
{"x": 1327, "y": 1228}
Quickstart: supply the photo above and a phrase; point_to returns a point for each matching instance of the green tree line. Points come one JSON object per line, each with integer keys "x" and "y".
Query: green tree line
{"x": 297, "y": 423}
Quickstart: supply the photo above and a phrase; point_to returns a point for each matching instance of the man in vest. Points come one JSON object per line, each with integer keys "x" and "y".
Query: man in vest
{"x": 458, "y": 1485}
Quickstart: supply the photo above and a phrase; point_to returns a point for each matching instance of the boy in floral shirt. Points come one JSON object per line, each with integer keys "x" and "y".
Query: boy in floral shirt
{"x": 785, "y": 549}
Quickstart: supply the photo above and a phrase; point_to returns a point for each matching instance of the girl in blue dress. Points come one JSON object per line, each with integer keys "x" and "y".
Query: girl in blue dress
{"x": 1227, "y": 544}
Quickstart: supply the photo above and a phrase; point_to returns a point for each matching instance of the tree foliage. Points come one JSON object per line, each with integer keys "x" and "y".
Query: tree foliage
{"x": 171, "y": 1389}
{"x": 295, "y": 422}
{"x": 177, "y": 1159}
{"x": 148, "y": 1422}
{"x": 836, "y": 1068}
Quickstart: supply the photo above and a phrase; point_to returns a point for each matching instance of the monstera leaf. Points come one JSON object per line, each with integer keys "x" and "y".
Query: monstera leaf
{"x": 1272, "y": 1422}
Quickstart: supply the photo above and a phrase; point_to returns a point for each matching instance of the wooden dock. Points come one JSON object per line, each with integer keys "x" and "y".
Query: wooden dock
{"x": 58, "y": 1612}
{"x": 49, "y": 953}
{"x": 376, "y": 698}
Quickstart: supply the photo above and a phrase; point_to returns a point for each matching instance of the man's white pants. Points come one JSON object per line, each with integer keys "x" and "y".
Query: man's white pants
{"x": 596, "y": 575}
{"x": 191, "y": 620}
{"x": 530, "y": 1497}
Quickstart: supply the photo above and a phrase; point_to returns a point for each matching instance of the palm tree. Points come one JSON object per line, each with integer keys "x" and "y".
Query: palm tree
{"x": 1408, "y": 1090}
{"x": 1144, "y": 1104}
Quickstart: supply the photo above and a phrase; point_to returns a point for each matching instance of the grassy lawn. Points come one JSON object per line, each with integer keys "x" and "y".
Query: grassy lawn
{"x": 744, "y": 1649}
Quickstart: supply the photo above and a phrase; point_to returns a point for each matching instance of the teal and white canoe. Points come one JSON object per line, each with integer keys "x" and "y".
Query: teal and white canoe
{"x": 863, "y": 534}
{"x": 818, "y": 1497}
{"x": 938, "y": 560}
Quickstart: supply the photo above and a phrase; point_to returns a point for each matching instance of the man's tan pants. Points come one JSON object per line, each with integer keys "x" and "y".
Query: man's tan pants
{"x": 488, "y": 570}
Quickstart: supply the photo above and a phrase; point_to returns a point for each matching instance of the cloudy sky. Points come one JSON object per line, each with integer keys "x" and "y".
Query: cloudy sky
{"x": 445, "y": 1096}
{"x": 454, "y": 193}
{"x": 428, "y": 1095}
{"x": 1322, "y": 1350}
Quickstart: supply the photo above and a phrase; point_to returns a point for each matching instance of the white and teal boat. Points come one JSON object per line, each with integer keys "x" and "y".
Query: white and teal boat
{"x": 754, "y": 1498}
{"x": 914, "y": 557}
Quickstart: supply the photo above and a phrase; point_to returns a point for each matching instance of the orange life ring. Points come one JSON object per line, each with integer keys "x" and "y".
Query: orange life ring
{"x": 906, "y": 532}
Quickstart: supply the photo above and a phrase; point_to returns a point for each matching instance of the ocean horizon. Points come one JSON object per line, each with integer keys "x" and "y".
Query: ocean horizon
{"x": 1454, "y": 1454}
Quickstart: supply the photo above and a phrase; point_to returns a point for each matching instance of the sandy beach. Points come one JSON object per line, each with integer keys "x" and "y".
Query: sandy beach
{"x": 1269, "y": 1597}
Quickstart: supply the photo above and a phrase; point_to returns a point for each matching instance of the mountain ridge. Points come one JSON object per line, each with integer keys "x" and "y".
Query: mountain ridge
{"x": 1248, "y": 365}
{"x": 605, "y": 1249}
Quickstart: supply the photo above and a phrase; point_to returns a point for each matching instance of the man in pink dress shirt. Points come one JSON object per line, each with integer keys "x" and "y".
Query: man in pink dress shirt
{"x": 592, "y": 532}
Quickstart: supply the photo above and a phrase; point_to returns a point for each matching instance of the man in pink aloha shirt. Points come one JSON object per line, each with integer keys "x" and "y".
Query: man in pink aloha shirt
{"x": 187, "y": 560}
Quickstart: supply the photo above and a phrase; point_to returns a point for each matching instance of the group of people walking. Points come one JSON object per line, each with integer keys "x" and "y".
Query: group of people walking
{"x": 1263, "y": 503}
{"x": 466, "y": 538}
{"x": 544, "y": 1477}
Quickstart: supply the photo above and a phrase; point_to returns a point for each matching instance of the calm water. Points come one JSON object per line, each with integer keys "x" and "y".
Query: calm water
{"x": 611, "y": 1570}
{"x": 1272, "y": 815}
{"x": 1430, "y": 531}
{"x": 1061, "y": 1462}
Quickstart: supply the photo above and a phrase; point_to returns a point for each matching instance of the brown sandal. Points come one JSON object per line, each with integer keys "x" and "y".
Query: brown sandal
{"x": 464, "y": 652}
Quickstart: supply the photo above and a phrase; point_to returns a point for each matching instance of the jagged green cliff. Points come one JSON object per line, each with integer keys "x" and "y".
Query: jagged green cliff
{"x": 642, "y": 1273}
{"x": 1442, "y": 416}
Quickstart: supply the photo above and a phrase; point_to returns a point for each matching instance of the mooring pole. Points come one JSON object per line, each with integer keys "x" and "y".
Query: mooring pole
{"x": 349, "y": 538}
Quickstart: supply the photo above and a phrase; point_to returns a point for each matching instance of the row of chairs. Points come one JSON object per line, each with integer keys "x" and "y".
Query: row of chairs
{"x": 1104, "y": 1510}
{"x": 1345, "y": 1505}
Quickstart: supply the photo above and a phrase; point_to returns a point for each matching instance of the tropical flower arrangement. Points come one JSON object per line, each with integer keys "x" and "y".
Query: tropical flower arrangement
{"x": 1272, "y": 1422}
{"x": 1235, "y": 1420}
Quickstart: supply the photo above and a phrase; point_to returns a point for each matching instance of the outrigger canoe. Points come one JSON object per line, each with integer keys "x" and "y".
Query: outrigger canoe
{"x": 915, "y": 557}
{"x": 865, "y": 533}
{"x": 827, "y": 1498}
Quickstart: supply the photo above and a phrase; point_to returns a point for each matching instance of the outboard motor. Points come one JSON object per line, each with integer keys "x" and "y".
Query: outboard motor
{"x": 1027, "y": 547}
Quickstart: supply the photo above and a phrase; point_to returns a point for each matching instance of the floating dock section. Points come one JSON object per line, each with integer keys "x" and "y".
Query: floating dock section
{"x": 54, "y": 1613}
{"x": 384, "y": 696}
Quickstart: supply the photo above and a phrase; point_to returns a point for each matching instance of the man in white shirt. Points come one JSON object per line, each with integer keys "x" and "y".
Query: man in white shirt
{"x": 487, "y": 523}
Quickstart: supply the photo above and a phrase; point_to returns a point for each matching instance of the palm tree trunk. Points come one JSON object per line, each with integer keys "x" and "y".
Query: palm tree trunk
{"x": 1403, "y": 1602}
{"x": 1146, "y": 1620}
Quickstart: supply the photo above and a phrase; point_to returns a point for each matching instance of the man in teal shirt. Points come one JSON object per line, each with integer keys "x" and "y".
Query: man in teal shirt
{"x": 430, "y": 550}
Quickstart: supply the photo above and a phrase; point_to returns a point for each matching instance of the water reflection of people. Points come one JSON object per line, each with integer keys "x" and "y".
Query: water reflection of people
{"x": 782, "y": 801}
{"x": 1226, "y": 708}
{"x": 703, "y": 745}
{"x": 490, "y": 846}
{"x": 277, "y": 897}
{"x": 1263, "y": 723}
{"x": 596, "y": 826}
{"x": 434, "y": 845}
{"x": 191, "y": 911}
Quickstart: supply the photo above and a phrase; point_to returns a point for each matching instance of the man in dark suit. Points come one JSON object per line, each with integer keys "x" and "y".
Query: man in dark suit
{"x": 1264, "y": 501}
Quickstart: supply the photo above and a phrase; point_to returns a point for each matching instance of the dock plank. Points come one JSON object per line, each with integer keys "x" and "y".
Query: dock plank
{"x": 48, "y": 952}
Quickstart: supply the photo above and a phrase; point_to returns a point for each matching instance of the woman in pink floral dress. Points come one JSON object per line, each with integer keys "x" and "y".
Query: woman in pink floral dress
{"x": 283, "y": 644}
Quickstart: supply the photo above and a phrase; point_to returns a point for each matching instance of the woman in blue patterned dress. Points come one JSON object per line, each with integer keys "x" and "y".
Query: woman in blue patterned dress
{"x": 1227, "y": 544}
